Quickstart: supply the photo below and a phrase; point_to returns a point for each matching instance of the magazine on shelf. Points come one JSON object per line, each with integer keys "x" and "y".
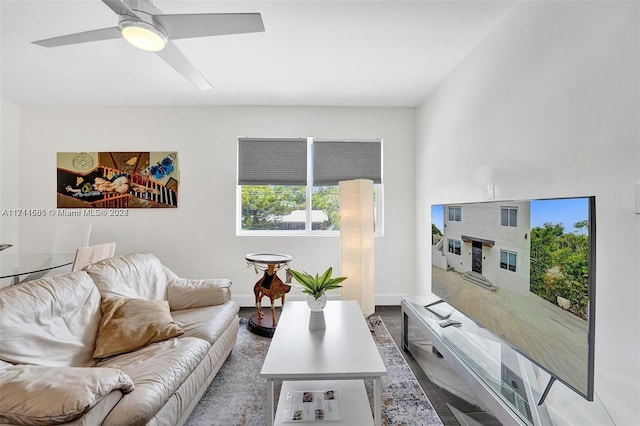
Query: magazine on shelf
{"x": 312, "y": 406}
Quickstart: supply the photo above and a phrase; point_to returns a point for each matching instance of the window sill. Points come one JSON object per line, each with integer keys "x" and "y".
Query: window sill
{"x": 292, "y": 234}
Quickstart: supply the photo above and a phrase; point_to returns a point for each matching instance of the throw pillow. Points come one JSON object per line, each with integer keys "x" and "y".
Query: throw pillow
{"x": 129, "y": 324}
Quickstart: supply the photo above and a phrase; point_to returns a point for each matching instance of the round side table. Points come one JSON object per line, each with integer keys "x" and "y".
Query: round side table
{"x": 270, "y": 285}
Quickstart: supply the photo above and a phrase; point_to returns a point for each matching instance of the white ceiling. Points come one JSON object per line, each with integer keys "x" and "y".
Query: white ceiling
{"x": 313, "y": 52}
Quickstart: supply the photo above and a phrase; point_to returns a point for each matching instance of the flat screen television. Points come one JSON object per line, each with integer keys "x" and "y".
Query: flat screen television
{"x": 525, "y": 271}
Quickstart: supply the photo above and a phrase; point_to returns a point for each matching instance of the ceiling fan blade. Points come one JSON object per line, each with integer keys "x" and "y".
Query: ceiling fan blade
{"x": 119, "y": 7}
{"x": 83, "y": 37}
{"x": 209, "y": 24}
{"x": 174, "y": 57}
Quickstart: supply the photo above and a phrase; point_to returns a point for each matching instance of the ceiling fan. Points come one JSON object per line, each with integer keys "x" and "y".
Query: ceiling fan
{"x": 143, "y": 25}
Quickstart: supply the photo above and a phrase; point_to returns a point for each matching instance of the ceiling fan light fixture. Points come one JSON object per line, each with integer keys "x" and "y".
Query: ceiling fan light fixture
{"x": 143, "y": 35}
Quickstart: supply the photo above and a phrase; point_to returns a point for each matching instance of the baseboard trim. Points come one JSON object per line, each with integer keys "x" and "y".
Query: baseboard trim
{"x": 246, "y": 300}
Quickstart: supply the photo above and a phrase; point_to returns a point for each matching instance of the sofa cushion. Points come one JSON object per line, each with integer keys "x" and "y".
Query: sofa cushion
{"x": 129, "y": 324}
{"x": 206, "y": 323}
{"x": 177, "y": 410}
{"x": 184, "y": 293}
{"x": 136, "y": 275}
{"x": 39, "y": 395}
{"x": 157, "y": 371}
{"x": 53, "y": 321}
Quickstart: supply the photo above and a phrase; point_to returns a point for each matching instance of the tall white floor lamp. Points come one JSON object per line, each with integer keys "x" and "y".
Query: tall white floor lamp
{"x": 357, "y": 245}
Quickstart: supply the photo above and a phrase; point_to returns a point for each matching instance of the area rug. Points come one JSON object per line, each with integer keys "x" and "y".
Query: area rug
{"x": 237, "y": 395}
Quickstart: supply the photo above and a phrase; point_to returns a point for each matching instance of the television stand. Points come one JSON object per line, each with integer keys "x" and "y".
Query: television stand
{"x": 464, "y": 348}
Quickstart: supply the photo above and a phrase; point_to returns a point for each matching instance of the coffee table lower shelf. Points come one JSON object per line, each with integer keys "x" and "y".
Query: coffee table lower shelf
{"x": 354, "y": 402}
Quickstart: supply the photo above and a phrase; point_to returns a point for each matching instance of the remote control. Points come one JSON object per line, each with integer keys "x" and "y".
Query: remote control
{"x": 448, "y": 322}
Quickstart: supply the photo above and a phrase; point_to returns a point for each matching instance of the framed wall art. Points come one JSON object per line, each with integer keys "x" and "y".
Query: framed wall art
{"x": 117, "y": 180}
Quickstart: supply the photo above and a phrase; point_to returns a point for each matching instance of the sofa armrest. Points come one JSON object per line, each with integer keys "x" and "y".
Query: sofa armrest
{"x": 185, "y": 293}
{"x": 42, "y": 395}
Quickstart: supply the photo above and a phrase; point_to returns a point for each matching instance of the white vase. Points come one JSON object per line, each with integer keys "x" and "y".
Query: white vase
{"x": 317, "y": 305}
{"x": 316, "y": 316}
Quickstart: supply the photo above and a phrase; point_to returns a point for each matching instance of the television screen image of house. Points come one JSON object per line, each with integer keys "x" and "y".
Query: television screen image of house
{"x": 523, "y": 271}
{"x": 117, "y": 180}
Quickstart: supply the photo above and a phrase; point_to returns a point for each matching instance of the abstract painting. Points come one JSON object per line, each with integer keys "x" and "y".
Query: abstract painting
{"x": 117, "y": 180}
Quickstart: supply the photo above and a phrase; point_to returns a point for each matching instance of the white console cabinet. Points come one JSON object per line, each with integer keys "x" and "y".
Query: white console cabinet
{"x": 508, "y": 384}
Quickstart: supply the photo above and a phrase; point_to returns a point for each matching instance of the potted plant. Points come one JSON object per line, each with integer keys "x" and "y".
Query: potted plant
{"x": 316, "y": 286}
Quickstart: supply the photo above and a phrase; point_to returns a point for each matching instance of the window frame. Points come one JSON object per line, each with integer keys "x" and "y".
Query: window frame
{"x": 308, "y": 231}
{"x": 509, "y": 253}
{"x": 455, "y": 209}
{"x": 457, "y": 246}
{"x": 509, "y": 221}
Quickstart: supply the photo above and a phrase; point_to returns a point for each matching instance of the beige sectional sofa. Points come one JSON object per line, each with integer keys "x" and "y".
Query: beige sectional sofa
{"x": 122, "y": 342}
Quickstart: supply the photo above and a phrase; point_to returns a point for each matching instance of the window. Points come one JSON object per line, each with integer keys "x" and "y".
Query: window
{"x": 292, "y": 184}
{"x": 455, "y": 214}
{"x": 508, "y": 260}
{"x": 509, "y": 216}
{"x": 454, "y": 246}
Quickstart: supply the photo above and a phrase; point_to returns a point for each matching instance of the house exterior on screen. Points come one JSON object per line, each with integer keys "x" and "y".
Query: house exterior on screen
{"x": 490, "y": 239}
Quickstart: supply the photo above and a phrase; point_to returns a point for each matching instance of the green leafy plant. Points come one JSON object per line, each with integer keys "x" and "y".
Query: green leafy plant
{"x": 317, "y": 285}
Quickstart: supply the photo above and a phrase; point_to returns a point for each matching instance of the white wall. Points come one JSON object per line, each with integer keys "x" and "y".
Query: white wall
{"x": 9, "y": 135}
{"x": 198, "y": 238}
{"x": 547, "y": 106}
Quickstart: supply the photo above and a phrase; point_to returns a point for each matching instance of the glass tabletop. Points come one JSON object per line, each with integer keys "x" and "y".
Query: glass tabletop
{"x": 268, "y": 258}
{"x": 12, "y": 265}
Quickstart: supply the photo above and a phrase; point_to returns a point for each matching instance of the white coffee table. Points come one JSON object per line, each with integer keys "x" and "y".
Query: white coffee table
{"x": 340, "y": 357}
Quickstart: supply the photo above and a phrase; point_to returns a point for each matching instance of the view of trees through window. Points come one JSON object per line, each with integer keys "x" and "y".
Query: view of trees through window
{"x": 279, "y": 207}
{"x": 327, "y": 199}
{"x": 264, "y": 206}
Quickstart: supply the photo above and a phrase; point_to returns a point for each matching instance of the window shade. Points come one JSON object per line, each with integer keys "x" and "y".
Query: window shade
{"x": 334, "y": 161}
{"x": 272, "y": 161}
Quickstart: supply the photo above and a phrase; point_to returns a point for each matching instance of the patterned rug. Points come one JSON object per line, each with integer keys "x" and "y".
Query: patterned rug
{"x": 237, "y": 397}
